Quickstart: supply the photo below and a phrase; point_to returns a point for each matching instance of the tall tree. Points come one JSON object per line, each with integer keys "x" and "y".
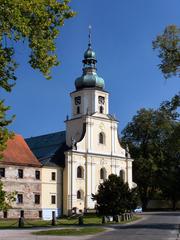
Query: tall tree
{"x": 114, "y": 196}
{"x": 170, "y": 171}
{"x": 149, "y": 136}
{"x": 168, "y": 46}
{"x": 38, "y": 23}
{"x": 146, "y": 135}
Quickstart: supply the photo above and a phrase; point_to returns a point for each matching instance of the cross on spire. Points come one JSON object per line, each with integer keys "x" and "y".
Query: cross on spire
{"x": 90, "y": 36}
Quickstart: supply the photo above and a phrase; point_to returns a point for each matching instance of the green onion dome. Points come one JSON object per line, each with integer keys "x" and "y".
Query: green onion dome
{"x": 89, "y": 78}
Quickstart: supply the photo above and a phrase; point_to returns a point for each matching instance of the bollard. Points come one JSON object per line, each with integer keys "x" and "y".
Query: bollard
{"x": 53, "y": 218}
{"x": 118, "y": 218}
{"x": 123, "y": 217}
{"x": 21, "y": 222}
{"x": 80, "y": 220}
{"x": 104, "y": 219}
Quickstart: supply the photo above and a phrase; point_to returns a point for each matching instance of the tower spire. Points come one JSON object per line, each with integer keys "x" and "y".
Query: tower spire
{"x": 90, "y": 36}
{"x": 89, "y": 78}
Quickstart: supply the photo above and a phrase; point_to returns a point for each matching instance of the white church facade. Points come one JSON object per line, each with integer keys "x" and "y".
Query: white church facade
{"x": 92, "y": 135}
{"x": 88, "y": 151}
{"x": 74, "y": 162}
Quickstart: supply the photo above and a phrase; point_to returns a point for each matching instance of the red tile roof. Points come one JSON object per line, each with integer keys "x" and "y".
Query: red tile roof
{"x": 18, "y": 153}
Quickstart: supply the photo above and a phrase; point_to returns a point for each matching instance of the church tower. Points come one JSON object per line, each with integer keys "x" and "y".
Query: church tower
{"x": 94, "y": 150}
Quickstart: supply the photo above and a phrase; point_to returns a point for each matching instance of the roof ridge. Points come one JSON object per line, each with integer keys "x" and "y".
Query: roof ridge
{"x": 45, "y": 135}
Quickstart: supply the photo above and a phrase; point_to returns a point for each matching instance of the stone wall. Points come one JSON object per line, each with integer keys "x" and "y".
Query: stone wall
{"x": 16, "y": 213}
{"x": 28, "y": 186}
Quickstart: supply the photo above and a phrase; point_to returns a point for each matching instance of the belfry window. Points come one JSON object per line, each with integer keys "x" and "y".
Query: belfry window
{"x": 103, "y": 173}
{"x": 78, "y": 110}
{"x": 101, "y": 138}
{"x": 101, "y": 109}
{"x": 79, "y": 172}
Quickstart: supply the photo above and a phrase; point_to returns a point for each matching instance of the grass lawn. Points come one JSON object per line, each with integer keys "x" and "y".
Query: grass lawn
{"x": 13, "y": 223}
{"x": 88, "y": 220}
{"x": 8, "y": 223}
{"x": 71, "y": 231}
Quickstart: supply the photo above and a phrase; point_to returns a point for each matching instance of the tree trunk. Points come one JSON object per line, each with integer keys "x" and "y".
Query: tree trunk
{"x": 144, "y": 198}
{"x": 144, "y": 204}
{"x": 174, "y": 201}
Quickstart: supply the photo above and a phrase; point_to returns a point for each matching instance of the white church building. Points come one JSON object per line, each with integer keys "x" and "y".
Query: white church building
{"x": 75, "y": 161}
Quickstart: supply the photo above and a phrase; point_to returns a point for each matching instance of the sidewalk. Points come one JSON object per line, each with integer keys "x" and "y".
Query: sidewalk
{"x": 25, "y": 234}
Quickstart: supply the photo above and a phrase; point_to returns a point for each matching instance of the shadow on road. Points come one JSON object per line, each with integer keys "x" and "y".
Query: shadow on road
{"x": 158, "y": 223}
{"x": 150, "y": 226}
{"x": 175, "y": 214}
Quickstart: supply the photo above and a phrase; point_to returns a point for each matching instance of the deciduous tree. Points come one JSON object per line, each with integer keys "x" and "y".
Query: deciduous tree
{"x": 168, "y": 46}
{"x": 114, "y": 196}
{"x": 4, "y": 133}
{"x": 36, "y": 22}
{"x": 148, "y": 136}
{"x": 170, "y": 171}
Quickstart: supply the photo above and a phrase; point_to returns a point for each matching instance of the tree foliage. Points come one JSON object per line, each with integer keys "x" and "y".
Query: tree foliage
{"x": 36, "y": 22}
{"x": 148, "y": 136}
{"x": 168, "y": 46}
{"x": 114, "y": 196}
{"x": 4, "y": 133}
{"x": 6, "y": 199}
{"x": 170, "y": 171}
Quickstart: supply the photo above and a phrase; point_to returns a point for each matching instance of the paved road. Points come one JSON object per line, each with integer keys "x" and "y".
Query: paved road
{"x": 153, "y": 226}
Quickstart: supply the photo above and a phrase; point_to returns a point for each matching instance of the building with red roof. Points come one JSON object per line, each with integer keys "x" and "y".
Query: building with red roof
{"x": 20, "y": 172}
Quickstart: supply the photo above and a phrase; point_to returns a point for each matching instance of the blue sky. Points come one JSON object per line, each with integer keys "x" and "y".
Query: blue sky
{"x": 122, "y": 34}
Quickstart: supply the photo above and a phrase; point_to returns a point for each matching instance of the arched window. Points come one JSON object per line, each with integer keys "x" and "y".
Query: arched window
{"x": 122, "y": 175}
{"x": 78, "y": 194}
{"x": 103, "y": 173}
{"x": 101, "y": 138}
{"x": 78, "y": 109}
{"x": 101, "y": 109}
{"x": 79, "y": 172}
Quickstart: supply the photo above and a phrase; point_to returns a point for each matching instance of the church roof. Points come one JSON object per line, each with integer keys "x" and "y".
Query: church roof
{"x": 49, "y": 148}
{"x": 18, "y": 153}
